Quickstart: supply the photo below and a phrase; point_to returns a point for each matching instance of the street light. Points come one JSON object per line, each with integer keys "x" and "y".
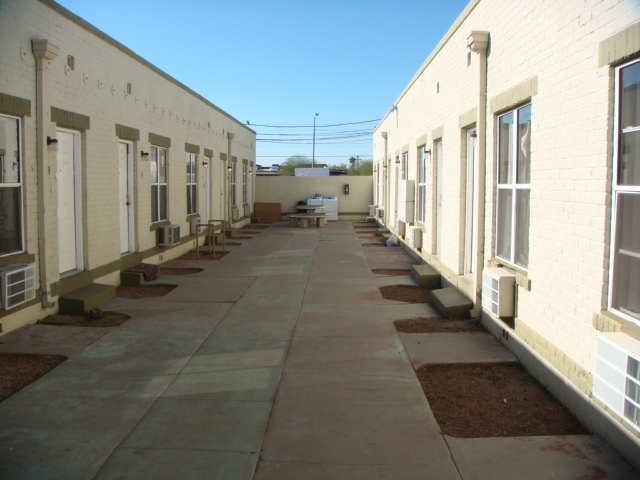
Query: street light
{"x": 313, "y": 155}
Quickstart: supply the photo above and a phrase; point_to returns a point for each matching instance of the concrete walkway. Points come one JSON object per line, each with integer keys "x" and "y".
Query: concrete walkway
{"x": 279, "y": 361}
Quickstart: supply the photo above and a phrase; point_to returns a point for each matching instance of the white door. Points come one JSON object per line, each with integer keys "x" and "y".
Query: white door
{"x": 223, "y": 176}
{"x": 125, "y": 199}
{"x": 470, "y": 221}
{"x": 69, "y": 206}
{"x": 438, "y": 150}
{"x": 207, "y": 192}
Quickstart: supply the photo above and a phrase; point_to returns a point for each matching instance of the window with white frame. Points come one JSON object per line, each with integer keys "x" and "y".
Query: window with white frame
{"x": 158, "y": 164}
{"x": 624, "y": 285}
{"x": 192, "y": 183}
{"x": 405, "y": 165}
{"x": 232, "y": 185}
{"x": 422, "y": 183}
{"x": 245, "y": 178}
{"x": 11, "y": 238}
{"x": 514, "y": 172}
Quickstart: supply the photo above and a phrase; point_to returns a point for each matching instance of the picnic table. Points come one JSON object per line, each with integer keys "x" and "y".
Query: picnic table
{"x": 303, "y": 220}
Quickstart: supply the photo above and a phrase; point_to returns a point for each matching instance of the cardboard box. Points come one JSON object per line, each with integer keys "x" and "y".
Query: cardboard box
{"x": 268, "y": 211}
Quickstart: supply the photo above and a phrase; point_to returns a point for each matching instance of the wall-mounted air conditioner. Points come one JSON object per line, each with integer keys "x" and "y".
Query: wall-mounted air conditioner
{"x": 195, "y": 225}
{"x": 235, "y": 214}
{"x": 168, "y": 235}
{"x": 380, "y": 212}
{"x": 247, "y": 210}
{"x": 498, "y": 290}
{"x": 372, "y": 210}
{"x": 17, "y": 284}
{"x": 415, "y": 237}
{"x": 616, "y": 379}
{"x": 401, "y": 227}
{"x": 406, "y": 200}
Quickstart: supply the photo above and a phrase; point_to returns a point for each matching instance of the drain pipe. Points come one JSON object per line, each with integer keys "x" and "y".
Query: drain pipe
{"x": 478, "y": 42}
{"x": 385, "y": 180}
{"x": 44, "y": 52}
{"x": 230, "y": 137}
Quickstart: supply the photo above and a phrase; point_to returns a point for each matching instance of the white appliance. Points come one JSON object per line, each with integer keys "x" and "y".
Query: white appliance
{"x": 330, "y": 205}
{"x": 498, "y": 286}
{"x": 17, "y": 282}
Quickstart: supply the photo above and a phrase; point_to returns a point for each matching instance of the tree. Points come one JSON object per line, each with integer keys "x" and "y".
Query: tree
{"x": 288, "y": 167}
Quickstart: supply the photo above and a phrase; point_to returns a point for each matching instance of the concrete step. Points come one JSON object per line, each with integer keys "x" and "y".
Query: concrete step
{"x": 426, "y": 275}
{"x": 232, "y": 232}
{"x": 85, "y": 298}
{"x": 451, "y": 303}
{"x": 136, "y": 276}
{"x": 382, "y": 231}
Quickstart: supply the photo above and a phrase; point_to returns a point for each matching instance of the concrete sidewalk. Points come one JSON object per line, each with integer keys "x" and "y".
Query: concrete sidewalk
{"x": 279, "y": 361}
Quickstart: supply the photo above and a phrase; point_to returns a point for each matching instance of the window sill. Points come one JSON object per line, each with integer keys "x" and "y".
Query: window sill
{"x": 607, "y": 321}
{"x": 192, "y": 215}
{"x": 154, "y": 226}
{"x": 522, "y": 277}
{"x": 23, "y": 257}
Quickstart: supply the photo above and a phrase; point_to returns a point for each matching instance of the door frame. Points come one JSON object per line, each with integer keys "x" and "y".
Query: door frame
{"x": 130, "y": 197}
{"x": 470, "y": 220}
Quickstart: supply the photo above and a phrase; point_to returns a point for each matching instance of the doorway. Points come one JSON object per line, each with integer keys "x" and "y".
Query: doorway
{"x": 69, "y": 202}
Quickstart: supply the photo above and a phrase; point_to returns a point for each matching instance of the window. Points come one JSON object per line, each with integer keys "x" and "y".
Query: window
{"x": 624, "y": 286}
{"x": 405, "y": 165}
{"x": 422, "y": 183}
{"x": 514, "y": 167}
{"x": 245, "y": 177}
{"x": 232, "y": 187}
{"x": 192, "y": 183}
{"x": 10, "y": 186}
{"x": 158, "y": 161}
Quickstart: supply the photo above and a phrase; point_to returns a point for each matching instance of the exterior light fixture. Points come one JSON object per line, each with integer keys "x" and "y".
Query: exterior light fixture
{"x": 144, "y": 154}
{"x": 229, "y": 169}
{"x": 205, "y": 164}
{"x": 52, "y": 144}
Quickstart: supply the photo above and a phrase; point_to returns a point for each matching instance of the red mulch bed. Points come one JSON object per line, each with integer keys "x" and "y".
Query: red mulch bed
{"x": 94, "y": 318}
{"x": 438, "y": 325}
{"x": 370, "y": 237}
{"x": 204, "y": 255}
{"x": 144, "y": 291}
{"x": 17, "y": 370}
{"x": 406, "y": 293}
{"x": 493, "y": 400}
{"x": 392, "y": 272}
{"x": 179, "y": 271}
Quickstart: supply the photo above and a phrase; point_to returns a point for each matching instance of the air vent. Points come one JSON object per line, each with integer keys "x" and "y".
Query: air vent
{"x": 400, "y": 228}
{"x": 168, "y": 235}
{"x": 18, "y": 285}
{"x": 195, "y": 225}
{"x": 616, "y": 380}
{"x": 247, "y": 210}
{"x": 498, "y": 291}
{"x": 415, "y": 237}
{"x": 235, "y": 214}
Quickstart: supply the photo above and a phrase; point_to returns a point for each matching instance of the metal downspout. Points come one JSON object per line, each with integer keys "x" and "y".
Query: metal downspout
{"x": 227, "y": 184}
{"x": 478, "y": 42}
{"x": 43, "y": 51}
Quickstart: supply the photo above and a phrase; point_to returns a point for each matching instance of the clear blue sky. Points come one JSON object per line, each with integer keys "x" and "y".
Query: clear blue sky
{"x": 278, "y": 62}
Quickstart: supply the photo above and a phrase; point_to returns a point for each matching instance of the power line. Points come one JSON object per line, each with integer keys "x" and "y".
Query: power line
{"x": 310, "y": 126}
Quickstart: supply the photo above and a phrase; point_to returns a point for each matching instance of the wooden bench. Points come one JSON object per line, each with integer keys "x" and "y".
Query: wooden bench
{"x": 302, "y": 220}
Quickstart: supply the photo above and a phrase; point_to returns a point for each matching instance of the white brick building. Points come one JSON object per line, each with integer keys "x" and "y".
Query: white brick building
{"x": 95, "y": 143}
{"x": 554, "y": 202}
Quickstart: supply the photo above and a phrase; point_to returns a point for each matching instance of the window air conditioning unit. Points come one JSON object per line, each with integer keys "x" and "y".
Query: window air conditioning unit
{"x": 195, "y": 225}
{"x": 498, "y": 288}
{"x": 401, "y": 227}
{"x": 415, "y": 237}
{"x": 380, "y": 212}
{"x": 372, "y": 210}
{"x": 168, "y": 235}
{"x": 616, "y": 380}
{"x": 17, "y": 282}
{"x": 247, "y": 210}
{"x": 235, "y": 214}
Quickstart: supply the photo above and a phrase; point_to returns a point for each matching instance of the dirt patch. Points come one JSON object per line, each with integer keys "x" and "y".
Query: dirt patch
{"x": 144, "y": 291}
{"x": 93, "y": 318}
{"x": 204, "y": 255}
{"x": 179, "y": 271}
{"x": 250, "y": 232}
{"x": 392, "y": 272}
{"x": 493, "y": 400}
{"x": 239, "y": 238}
{"x": 17, "y": 370}
{"x": 438, "y": 325}
{"x": 406, "y": 293}
{"x": 370, "y": 238}
{"x": 253, "y": 227}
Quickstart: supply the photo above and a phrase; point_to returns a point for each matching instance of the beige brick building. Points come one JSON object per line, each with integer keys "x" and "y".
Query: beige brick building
{"x": 95, "y": 143}
{"x": 512, "y": 156}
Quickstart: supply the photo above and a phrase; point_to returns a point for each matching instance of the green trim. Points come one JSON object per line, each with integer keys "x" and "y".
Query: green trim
{"x": 191, "y": 148}
{"x": 3, "y": 152}
{"x": 514, "y": 96}
{"x": 83, "y": 24}
{"x": 234, "y": 159}
{"x": 252, "y": 163}
{"x": 10, "y": 105}
{"x": 127, "y": 133}
{"x": 159, "y": 140}
{"x": 468, "y": 118}
{"x": 245, "y": 161}
{"x": 65, "y": 118}
{"x": 223, "y": 157}
{"x": 190, "y": 216}
{"x": 30, "y": 303}
{"x": 437, "y": 133}
{"x": 26, "y": 258}
{"x": 405, "y": 149}
{"x": 421, "y": 140}
{"x": 208, "y": 153}
{"x": 619, "y": 46}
